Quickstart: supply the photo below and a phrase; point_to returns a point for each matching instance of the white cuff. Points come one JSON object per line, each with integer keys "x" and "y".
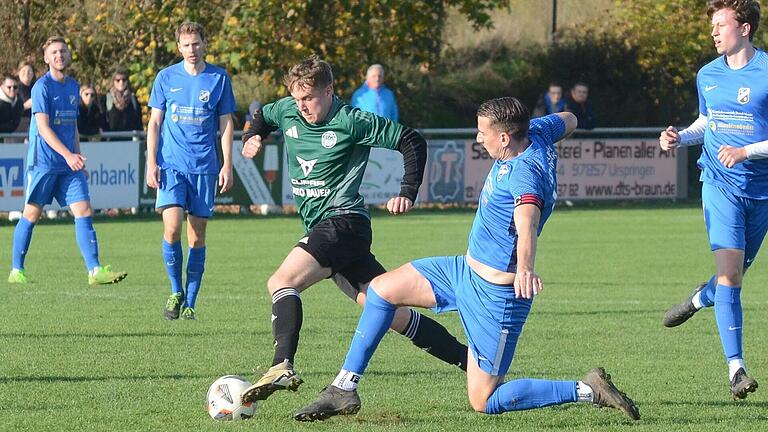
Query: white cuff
{"x": 758, "y": 150}
{"x": 694, "y": 134}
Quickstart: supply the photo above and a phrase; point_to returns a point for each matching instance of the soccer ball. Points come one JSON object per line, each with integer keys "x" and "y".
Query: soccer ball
{"x": 223, "y": 399}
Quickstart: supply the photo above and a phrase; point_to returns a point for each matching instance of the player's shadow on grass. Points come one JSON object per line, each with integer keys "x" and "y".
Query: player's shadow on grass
{"x": 723, "y": 403}
{"x": 602, "y": 312}
{"x": 79, "y": 379}
{"x": 171, "y": 334}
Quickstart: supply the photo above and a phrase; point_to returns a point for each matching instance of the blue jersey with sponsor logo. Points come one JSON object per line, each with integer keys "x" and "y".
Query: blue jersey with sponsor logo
{"x": 60, "y": 101}
{"x": 529, "y": 178}
{"x": 736, "y": 105}
{"x": 192, "y": 105}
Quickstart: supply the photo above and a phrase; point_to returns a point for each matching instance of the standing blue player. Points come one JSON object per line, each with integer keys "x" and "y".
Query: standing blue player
{"x": 191, "y": 102}
{"x": 733, "y": 122}
{"x": 55, "y": 167}
{"x": 492, "y": 286}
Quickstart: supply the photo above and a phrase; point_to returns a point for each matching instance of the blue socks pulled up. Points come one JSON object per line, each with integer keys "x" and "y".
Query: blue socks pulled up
{"x": 728, "y": 314}
{"x": 195, "y": 270}
{"x": 174, "y": 260}
{"x": 86, "y": 241}
{"x": 22, "y": 237}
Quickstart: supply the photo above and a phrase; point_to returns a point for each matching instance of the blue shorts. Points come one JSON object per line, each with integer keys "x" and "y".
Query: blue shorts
{"x": 734, "y": 222}
{"x": 67, "y": 187}
{"x": 491, "y": 315}
{"x": 192, "y": 192}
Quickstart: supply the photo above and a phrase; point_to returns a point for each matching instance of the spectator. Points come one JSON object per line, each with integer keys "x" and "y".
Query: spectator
{"x": 26, "y": 74}
{"x": 252, "y": 108}
{"x": 373, "y": 96}
{"x": 122, "y": 110}
{"x": 90, "y": 118}
{"x": 550, "y": 102}
{"x": 578, "y": 103}
{"x": 11, "y": 105}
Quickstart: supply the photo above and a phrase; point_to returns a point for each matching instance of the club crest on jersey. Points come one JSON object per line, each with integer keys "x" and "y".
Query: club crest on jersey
{"x": 306, "y": 165}
{"x": 743, "y": 97}
{"x": 503, "y": 170}
{"x": 205, "y": 96}
{"x": 329, "y": 139}
{"x": 72, "y": 99}
{"x": 712, "y": 126}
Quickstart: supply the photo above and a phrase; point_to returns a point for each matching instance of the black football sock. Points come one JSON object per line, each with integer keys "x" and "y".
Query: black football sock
{"x": 433, "y": 338}
{"x": 286, "y": 323}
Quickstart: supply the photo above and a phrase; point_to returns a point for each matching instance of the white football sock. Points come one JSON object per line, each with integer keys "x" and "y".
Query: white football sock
{"x": 697, "y": 300}
{"x": 584, "y": 392}
{"x": 733, "y": 367}
{"x": 346, "y": 380}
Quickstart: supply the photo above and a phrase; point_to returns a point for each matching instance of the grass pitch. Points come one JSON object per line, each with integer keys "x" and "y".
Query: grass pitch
{"x": 96, "y": 359}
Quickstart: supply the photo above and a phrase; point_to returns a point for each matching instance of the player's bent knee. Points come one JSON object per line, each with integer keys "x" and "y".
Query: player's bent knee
{"x": 478, "y": 402}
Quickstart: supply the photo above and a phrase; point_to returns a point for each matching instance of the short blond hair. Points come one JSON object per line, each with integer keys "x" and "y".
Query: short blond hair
{"x": 190, "y": 27}
{"x": 310, "y": 73}
{"x": 52, "y": 40}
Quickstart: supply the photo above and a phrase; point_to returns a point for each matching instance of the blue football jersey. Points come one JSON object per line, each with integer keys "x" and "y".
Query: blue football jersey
{"x": 192, "y": 105}
{"x": 60, "y": 101}
{"x": 529, "y": 178}
{"x": 736, "y": 105}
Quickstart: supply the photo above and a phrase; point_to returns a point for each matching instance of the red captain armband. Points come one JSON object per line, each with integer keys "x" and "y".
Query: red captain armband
{"x": 529, "y": 199}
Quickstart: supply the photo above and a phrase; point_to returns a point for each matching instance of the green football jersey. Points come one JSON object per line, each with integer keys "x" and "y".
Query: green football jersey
{"x": 326, "y": 161}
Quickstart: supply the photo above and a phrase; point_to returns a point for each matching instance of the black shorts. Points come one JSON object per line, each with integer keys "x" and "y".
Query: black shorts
{"x": 343, "y": 244}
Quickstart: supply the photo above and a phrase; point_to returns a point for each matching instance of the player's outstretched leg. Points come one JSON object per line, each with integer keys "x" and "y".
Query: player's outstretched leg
{"x": 287, "y": 317}
{"x": 605, "y": 393}
{"x": 332, "y": 401}
{"x": 435, "y": 339}
{"x": 683, "y": 311}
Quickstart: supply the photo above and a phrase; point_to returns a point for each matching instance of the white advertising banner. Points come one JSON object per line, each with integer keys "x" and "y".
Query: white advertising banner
{"x": 113, "y": 174}
{"x": 615, "y": 168}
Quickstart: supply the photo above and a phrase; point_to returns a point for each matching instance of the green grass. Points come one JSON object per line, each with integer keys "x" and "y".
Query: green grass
{"x": 98, "y": 359}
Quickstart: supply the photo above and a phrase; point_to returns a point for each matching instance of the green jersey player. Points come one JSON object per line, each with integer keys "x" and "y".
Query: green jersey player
{"x": 327, "y": 144}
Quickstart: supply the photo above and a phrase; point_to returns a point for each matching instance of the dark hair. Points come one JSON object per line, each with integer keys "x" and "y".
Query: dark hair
{"x": 745, "y": 11}
{"x": 580, "y": 83}
{"x": 555, "y": 84}
{"x": 507, "y": 114}
{"x": 190, "y": 27}
{"x": 311, "y": 72}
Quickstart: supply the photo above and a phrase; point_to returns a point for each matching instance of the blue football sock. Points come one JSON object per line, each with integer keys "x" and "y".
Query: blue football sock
{"x": 86, "y": 241}
{"x": 524, "y": 394}
{"x": 707, "y": 295}
{"x": 195, "y": 269}
{"x": 22, "y": 237}
{"x": 174, "y": 260}
{"x": 376, "y": 318}
{"x": 729, "y": 320}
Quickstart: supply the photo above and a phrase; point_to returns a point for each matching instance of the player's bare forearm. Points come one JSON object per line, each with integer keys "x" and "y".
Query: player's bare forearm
{"x": 527, "y": 282}
{"x": 227, "y": 127}
{"x": 50, "y": 137}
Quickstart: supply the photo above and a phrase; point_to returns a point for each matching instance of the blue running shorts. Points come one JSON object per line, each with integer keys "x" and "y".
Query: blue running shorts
{"x": 67, "y": 187}
{"x": 734, "y": 222}
{"x": 192, "y": 192}
{"x": 491, "y": 315}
